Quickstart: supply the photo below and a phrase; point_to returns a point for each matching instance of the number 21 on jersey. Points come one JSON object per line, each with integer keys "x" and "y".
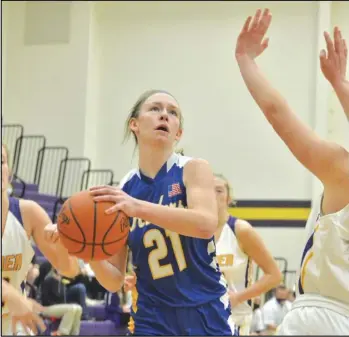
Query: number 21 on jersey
{"x": 155, "y": 237}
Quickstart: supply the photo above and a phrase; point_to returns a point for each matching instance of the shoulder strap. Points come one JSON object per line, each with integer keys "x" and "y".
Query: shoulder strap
{"x": 15, "y": 209}
{"x": 231, "y": 223}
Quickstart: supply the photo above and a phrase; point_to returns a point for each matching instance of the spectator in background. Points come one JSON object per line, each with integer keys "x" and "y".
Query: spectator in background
{"x": 87, "y": 277}
{"x": 75, "y": 290}
{"x": 53, "y": 297}
{"x": 276, "y": 309}
{"x": 257, "y": 324}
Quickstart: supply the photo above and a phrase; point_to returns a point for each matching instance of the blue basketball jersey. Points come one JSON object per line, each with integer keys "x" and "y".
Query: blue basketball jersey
{"x": 172, "y": 269}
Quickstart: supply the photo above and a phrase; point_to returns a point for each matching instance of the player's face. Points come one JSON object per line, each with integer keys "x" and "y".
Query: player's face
{"x": 221, "y": 193}
{"x": 159, "y": 120}
{"x": 4, "y": 170}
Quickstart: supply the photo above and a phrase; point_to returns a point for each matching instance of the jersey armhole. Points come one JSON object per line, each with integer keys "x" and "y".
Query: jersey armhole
{"x": 15, "y": 209}
{"x": 231, "y": 223}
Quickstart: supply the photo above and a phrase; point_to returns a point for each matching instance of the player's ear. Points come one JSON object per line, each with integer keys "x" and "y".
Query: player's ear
{"x": 133, "y": 125}
{"x": 179, "y": 134}
{"x": 229, "y": 200}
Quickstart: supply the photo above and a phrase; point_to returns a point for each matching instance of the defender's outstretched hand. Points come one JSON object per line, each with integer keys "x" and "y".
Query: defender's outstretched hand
{"x": 251, "y": 41}
{"x": 334, "y": 61}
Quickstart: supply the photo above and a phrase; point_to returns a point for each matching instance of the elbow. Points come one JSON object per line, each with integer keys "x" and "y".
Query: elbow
{"x": 69, "y": 273}
{"x": 111, "y": 284}
{"x": 206, "y": 235}
{"x": 113, "y": 287}
{"x": 275, "y": 278}
{"x": 210, "y": 227}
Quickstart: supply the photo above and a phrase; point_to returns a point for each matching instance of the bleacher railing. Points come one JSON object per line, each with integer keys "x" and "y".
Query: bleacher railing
{"x": 10, "y": 134}
{"x": 26, "y": 153}
{"x": 47, "y": 168}
{"x": 70, "y": 176}
{"x": 96, "y": 177}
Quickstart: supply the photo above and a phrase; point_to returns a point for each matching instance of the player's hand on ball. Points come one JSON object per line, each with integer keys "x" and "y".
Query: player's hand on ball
{"x": 51, "y": 233}
{"x": 251, "y": 41}
{"x": 123, "y": 202}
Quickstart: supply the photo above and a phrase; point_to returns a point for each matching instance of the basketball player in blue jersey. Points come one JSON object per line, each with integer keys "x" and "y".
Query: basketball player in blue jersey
{"x": 172, "y": 207}
{"x": 322, "y": 302}
{"x": 237, "y": 246}
{"x": 20, "y": 221}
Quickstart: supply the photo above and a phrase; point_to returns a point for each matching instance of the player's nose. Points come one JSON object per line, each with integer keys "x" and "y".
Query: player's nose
{"x": 164, "y": 115}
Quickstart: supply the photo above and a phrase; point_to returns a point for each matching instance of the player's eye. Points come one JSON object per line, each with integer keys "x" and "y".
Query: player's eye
{"x": 155, "y": 108}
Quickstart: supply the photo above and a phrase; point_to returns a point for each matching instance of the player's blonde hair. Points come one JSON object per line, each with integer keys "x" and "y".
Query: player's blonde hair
{"x": 134, "y": 113}
{"x": 8, "y": 162}
{"x": 180, "y": 151}
{"x": 227, "y": 185}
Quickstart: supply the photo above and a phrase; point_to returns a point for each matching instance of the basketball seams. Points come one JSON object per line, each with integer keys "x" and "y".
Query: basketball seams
{"x": 106, "y": 233}
{"x": 111, "y": 226}
{"x": 94, "y": 229}
{"x": 91, "y": 243}
{"x": 100, "y": 236}
{"x": 78, "y": 225}
{"x": 76, "y": 221}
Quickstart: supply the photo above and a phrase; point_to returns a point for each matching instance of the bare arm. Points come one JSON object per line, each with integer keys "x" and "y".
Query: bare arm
{"x": 200, "y": 219}
{"x": 327, "y": 160}
{"x": 37, "y": 218}
{"x": 342, "y": 91}
{"x": 111, "y": 273}
{"x": 252, "y": 244}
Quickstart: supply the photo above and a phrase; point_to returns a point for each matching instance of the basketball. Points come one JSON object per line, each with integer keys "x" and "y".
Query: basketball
{"x": 87, "y": 232}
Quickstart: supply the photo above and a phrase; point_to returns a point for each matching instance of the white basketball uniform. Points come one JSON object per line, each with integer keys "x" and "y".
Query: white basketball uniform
{"x": 322, "y": 302}
{"x": 237, "y": 268}
{"x": 17, "y": 253}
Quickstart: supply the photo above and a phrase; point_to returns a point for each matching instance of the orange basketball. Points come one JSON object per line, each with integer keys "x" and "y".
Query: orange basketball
{"x": 87, "y": 232}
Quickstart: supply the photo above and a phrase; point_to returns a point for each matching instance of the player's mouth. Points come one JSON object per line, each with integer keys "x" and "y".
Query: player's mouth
{"x": 163, "y": 127}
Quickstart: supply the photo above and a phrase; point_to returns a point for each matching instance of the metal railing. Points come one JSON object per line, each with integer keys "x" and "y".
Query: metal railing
{"x": 10, "y": 134}
{"x": 96, "y": 177}
{"x": 47, "y": 167}
{"x": 70, "y": 176}
{"x": 26, "y": 153}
